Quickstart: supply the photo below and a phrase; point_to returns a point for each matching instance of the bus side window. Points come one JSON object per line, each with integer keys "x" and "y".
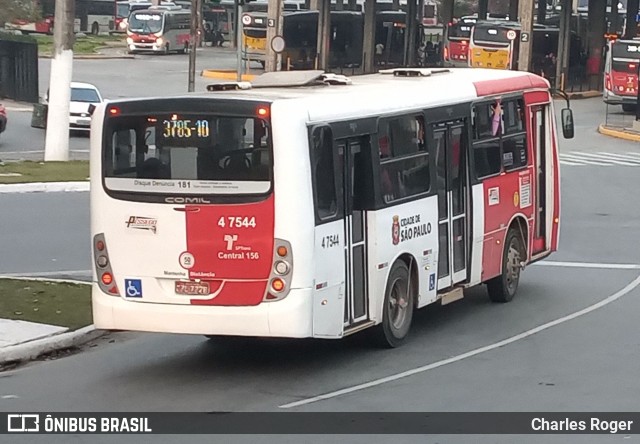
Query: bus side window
{"x": 404, "y": 167}
{"x": 323, "y": 173}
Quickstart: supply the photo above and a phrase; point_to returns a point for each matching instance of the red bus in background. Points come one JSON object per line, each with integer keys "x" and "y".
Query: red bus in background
{"x": 621, "y": 73}
{"x": 456, "y": 42}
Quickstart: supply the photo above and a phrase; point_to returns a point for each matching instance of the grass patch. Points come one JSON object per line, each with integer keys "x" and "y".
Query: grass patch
{"x": 28, "y": 171}
{"x": 55, "y": 303}
{"x": 83, "y": 45}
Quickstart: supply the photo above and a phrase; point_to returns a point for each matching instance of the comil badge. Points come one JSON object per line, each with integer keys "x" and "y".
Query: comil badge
{"x": 396, "y": 230}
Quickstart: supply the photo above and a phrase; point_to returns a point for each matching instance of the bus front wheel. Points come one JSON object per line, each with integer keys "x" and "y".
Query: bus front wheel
{"x": 503, "y": 288}
{"x": 397, "y": 312}
{"x": 165, "y": 50}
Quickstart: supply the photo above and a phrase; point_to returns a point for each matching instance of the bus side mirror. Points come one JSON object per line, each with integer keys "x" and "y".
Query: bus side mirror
{"x": 567, "y": 123}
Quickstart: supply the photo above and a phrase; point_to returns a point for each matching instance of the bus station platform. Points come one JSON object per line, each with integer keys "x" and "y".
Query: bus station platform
{"x": 620, "y": 132}
{"x": 223, "y": 74}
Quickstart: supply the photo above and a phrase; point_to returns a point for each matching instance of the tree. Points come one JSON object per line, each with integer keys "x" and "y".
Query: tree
{"x": 18, "y": 10}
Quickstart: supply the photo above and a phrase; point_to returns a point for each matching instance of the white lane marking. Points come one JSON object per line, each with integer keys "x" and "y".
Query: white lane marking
{"x": 621, "y": 156}
{"x": 578, "y": 159}
{"x": 604, "y": 158}
{"x": 566, "y": 162}
{"x": 589, "y": 265}
{"x": 632, "y": 285}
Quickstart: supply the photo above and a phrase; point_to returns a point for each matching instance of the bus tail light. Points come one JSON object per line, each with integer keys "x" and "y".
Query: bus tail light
{"x": 281, "y": 272}
{"x": 446, "y": 53}
{"x": 104, "y": 273}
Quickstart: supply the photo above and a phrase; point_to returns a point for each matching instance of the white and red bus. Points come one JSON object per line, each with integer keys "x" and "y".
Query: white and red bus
{"x": 456, "y": 42}
{"x": 321, "y": 209}
{"x": 160, "y": 29}
{"x": 621, "y": 73}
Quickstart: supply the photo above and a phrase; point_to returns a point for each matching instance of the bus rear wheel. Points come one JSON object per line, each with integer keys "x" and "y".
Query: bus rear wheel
{"x": 503, "y": 288}
{"x": 95, "y": 28}
{"x": 628, "y": 107}
{"x": 397, "y": 312}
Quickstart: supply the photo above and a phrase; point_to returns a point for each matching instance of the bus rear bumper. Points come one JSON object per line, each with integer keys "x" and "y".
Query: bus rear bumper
{"x": 614, "y": 99}
{"x": 290, "y": 317}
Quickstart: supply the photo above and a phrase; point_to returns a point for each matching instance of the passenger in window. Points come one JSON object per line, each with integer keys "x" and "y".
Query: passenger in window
{"x": 496, "y": 120}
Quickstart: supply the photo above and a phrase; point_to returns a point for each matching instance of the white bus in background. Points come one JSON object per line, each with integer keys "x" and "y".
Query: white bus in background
{"x": 323, "y": 207}
{"x": 159, "y": 29}
{"x": 91, "y": 16}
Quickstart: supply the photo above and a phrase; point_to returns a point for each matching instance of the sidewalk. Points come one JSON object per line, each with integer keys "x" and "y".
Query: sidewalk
{"x": 23, "y": 341}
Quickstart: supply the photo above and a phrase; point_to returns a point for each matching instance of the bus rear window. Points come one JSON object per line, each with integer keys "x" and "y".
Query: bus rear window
{"x": 626, "y": 67}
{"x": 459, "y": 31}
{"x": 199, "y": 154}
{"x": 491, "y": 35}
{"x": 624, "y": 50}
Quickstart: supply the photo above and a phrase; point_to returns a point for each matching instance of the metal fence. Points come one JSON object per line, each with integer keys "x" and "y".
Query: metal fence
{"x": 18, "y": 69}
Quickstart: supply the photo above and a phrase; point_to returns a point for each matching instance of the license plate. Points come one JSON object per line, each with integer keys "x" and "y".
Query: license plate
{"x": 192, "y": 288}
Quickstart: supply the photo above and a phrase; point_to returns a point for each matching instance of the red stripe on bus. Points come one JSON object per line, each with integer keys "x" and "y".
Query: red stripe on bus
{"x": 232, "y": 243}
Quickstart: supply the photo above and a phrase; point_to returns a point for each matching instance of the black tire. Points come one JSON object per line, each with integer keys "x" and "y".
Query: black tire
{"x": 503, "y": 288}
{"x": 166, "y": 49}
{"x": 397, "y": 311}
{"x": 628, "y": 107}
{"x": 185, "y": 49}
{"x": 95, "y": 28}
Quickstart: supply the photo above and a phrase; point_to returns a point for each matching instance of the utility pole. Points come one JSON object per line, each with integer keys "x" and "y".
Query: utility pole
{"x": 525, "y": 13}
{"x": 274, "y": 28}
{"x": 562, "y": 62}
{"x": 369, "y": 40}
{"x": 57, "y": 134}
{"x": 238, "y": 26}
{"x": 324, "y": 27}
{"x": 196, "y": 7}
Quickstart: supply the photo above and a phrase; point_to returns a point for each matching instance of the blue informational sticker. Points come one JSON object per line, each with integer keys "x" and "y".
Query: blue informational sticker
{"x": 133, "y": 288}
{"x": 432, "y": 281}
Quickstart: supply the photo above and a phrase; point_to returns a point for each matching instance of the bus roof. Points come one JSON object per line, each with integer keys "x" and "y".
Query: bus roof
{"x": 376, "y": 94}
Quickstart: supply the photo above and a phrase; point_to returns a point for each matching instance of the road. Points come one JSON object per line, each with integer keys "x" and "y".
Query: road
{"x": 568, "y": 342}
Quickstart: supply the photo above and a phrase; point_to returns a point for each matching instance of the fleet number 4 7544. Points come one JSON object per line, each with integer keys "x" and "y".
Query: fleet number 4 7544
{"x": 237, "y": 222}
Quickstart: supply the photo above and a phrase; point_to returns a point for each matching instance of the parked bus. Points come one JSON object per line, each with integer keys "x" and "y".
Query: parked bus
{"x": 456, "y": 42}
{"x": 323, "y": 207}
{"x": 160, "y": 29}
{"x": 496, "y": 44}
{"x": 300, "y": 32}
{"x": 621, "y": 73}
{"x": 91, "y": 16}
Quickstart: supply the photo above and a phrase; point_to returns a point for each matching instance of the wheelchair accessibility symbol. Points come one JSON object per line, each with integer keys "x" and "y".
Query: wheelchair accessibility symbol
{"x": 133, "y": 288}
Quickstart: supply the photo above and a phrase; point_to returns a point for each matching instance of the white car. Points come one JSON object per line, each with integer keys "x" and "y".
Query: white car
{"x": 82, "y": 96}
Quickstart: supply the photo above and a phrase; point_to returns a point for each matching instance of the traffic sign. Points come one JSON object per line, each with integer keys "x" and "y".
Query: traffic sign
{"x": 511, "y": 34}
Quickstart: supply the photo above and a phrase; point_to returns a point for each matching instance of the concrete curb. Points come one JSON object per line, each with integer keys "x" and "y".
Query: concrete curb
{"x": 584, "y": 95}
{"x": 44, "y": 187}
{"x": 619, "y": 133}
{"x": 32, "y": 349}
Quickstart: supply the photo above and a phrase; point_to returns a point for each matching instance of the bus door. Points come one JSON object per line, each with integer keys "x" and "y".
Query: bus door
{"x": 352, "y": 168}
{"x": 540, "y": 142}
{"x": 451, "y": 171}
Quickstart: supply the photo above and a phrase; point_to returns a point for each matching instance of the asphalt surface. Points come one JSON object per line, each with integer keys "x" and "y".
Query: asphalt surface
{"x": 568, "y": 342}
